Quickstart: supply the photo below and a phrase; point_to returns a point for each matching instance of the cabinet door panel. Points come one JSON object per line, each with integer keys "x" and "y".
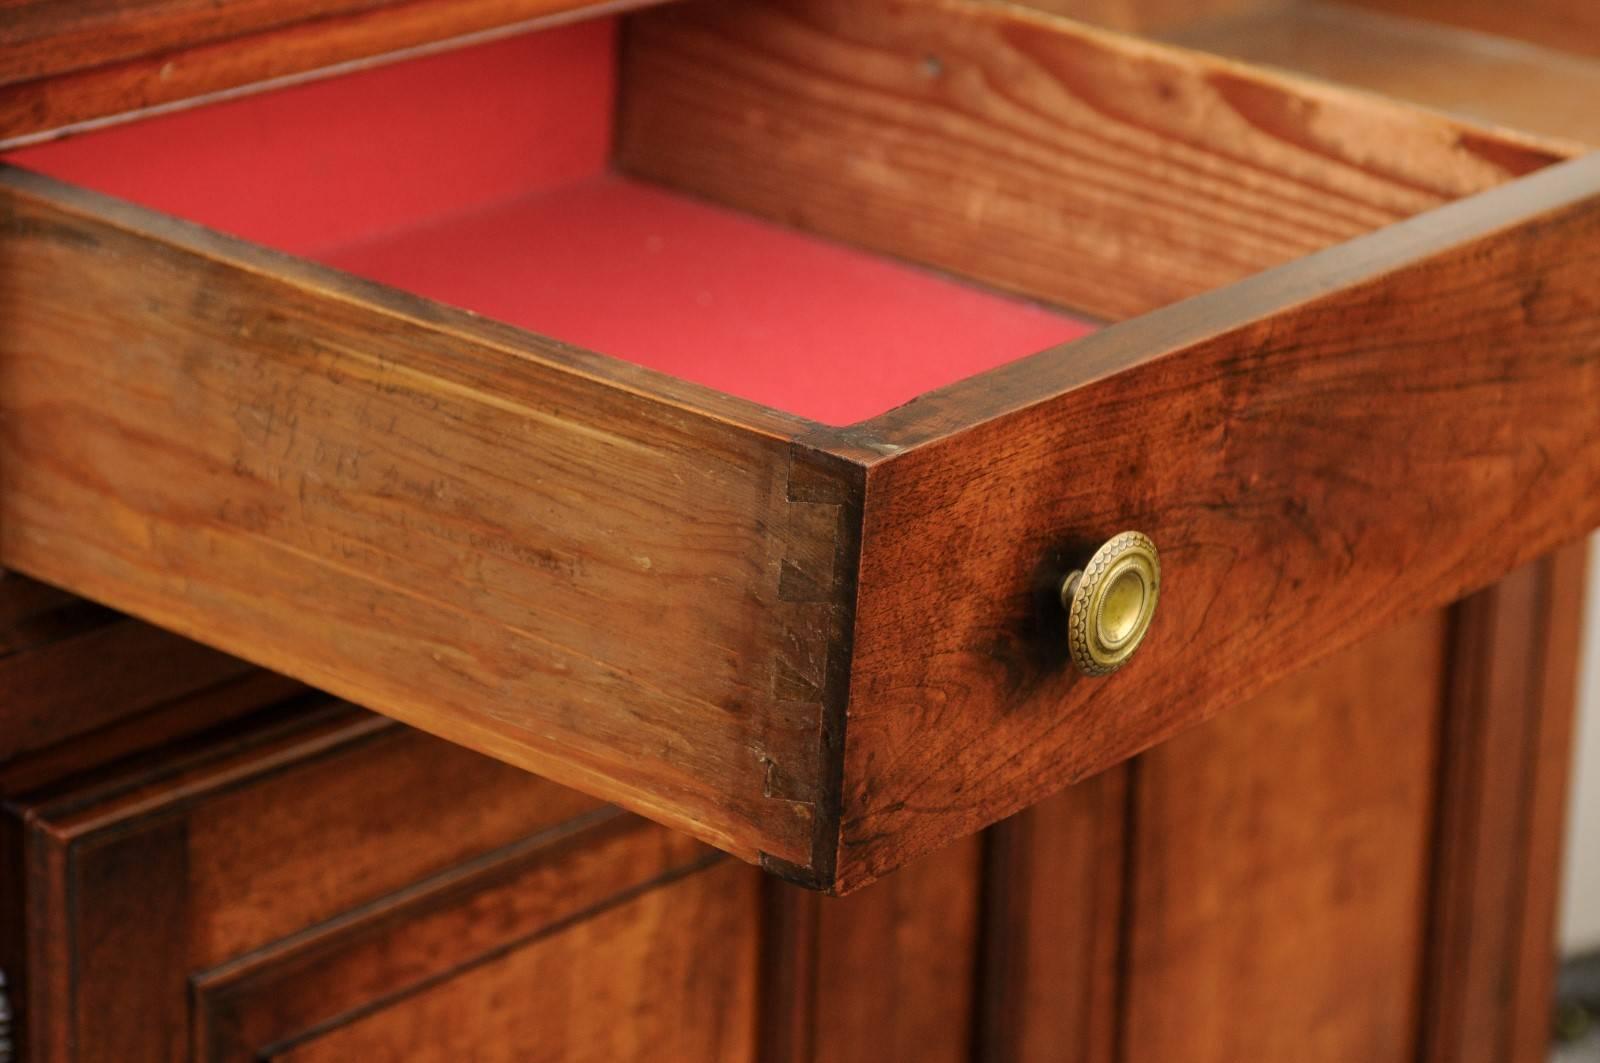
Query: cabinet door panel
{"x": 1280, "y": 867}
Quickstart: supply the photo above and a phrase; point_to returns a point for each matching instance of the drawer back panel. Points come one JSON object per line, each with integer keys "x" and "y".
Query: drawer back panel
{"x": 1036, "y": 154}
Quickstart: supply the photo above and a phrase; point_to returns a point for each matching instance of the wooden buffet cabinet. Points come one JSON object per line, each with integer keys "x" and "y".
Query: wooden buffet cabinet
{"x": 385, "y": 675}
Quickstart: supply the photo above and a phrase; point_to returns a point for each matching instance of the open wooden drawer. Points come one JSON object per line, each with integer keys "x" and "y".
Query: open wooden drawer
{"x": 667, "y": 578}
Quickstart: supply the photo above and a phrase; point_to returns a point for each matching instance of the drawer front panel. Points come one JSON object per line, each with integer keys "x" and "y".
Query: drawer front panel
{"x": 1395, "y": 423}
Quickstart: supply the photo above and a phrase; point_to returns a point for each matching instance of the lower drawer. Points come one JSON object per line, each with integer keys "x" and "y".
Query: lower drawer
{"x": 333, "y": 886}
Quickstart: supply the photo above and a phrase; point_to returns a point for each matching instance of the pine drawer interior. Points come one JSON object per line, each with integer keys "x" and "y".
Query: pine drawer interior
{"x": 608, "y": 186}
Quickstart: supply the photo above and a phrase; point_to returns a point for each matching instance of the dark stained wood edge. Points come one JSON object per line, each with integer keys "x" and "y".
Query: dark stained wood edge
{"x": 48, "y": 696}
{"x": 14, "y": 882}
{"x": 45, "y": 965}
{"x": 1502, "y": 783}
{"x": 1169, "y": 331}
{"x": 127, "y": 895}
{"x": 155, "y": 732}
{"x": 197, "y": 58}
{"x": 285, "y": 737}
{"x": 36, "y": 614}
{"x": 1568, "y": 572}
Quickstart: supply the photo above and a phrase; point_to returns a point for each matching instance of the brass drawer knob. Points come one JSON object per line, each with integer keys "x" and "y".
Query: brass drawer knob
{"x": 1110, "y": 602}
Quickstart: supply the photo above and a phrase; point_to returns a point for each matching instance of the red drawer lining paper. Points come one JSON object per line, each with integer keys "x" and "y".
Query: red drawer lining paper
{"x": 511, "y": 140}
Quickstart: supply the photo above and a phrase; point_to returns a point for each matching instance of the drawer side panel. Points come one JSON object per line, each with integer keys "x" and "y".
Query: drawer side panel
{"x": 533, "y": 552}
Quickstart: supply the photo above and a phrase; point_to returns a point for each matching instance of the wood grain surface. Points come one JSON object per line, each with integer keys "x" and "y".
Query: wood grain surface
{"x": 69, "y": 667}
{"x": 1281, "y": 867}
{"x": 1052, "y": 981}
{"x": 666, "y": 974}
{"x": 1506, "y": 742}
{"x": 1317, "y": 452}
{"x": 65, "y": 64}
{"x": 896, "y": 965}
{"x": 620, "y": 581}
{"x": 1029, "y": 152}
{"x": 890, "y": 972}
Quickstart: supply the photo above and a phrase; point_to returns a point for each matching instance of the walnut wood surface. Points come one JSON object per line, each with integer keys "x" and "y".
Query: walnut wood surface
{"x": 1281, "y": 869}
{"x": 665, "y": 975}
{"x": 890, "y": 972}
{"x": 1318, "y": 451}
{"x": 1035, "y": 154}
{"x": 620, "y": 581}
{"x": 1481, "y": 78}
{"x": 63, "y": 64}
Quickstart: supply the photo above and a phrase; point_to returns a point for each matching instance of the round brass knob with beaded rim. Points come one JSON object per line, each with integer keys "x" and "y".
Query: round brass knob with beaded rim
{"x": 1110, "y": 602}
